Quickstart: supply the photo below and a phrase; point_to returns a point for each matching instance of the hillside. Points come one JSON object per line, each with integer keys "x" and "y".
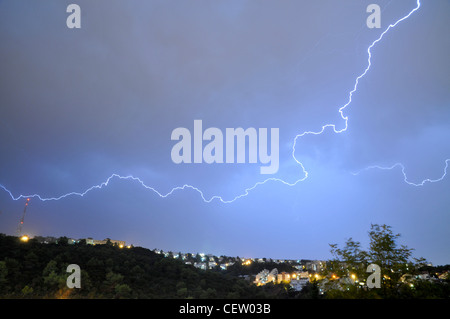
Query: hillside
{"x": 35, "y": 270}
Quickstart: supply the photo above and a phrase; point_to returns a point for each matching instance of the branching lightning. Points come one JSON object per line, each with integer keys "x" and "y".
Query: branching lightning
{"x": 405, "y": 177}
{"x": 246, "y": 191}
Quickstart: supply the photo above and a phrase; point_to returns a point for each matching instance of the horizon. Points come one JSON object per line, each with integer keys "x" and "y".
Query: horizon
{"x": 193, "y": 253}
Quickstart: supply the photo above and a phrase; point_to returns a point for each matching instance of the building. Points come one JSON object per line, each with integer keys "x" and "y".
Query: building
{"x": 299, "y": 284}
{"x": 445, "y": 275}
{"x": 261, "y": 277}
{"x": 302, "y": 274}
{"x": 200, "y": 265}
{"x": 283, "y": 277}
{"x": 265, "y": 277}
{"x": 272, "y": 275}
{"x": 315, "y": 265}
{"x": 72, "y": 241}
{"x": 226, "y": 265}
{"x": 212, "y": 264}
{"x": 46, "y": 240}
{"x": 119, "y": 243}
{"x": 424, "y": 276}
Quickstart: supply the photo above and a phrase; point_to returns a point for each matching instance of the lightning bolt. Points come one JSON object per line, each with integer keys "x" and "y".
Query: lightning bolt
{"x": 248, "y": 190}
{"x": 405, "y": 177}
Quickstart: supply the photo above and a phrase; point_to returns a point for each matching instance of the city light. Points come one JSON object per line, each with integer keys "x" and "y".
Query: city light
{"x": 24, "y": 238}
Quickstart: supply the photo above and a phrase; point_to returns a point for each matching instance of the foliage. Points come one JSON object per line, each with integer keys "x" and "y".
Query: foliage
{"x": 37, "y": 270}
{"x": 394, "y": 261}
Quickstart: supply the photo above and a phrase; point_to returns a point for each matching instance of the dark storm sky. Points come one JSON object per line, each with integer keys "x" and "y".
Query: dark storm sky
{"x": 77, "y": 105}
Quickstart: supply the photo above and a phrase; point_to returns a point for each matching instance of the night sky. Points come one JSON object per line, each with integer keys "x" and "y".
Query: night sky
{"x": 78, "y": 105}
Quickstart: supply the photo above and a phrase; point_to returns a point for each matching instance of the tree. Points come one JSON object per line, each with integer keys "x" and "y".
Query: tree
{"x": 14, "y": 275}
{"x": 351, "y": 256}
{"x": 122, "y": 291}
{"x": 3, "y": 274}
{"x": 63, "y": 241}
{"x": 383, "y": 247}
{"x": 182, "y": 290}
{"x": 112, "y": 281}
{"x": 53, "y": 279}
{"x": 27, "y": 291}
{"x": 384, "y": 251}
{"x": 30, "y": 260}
{"x": 209, "y": 293}
{"x": 310, "y": 291}
{"x": 51, "y": 267}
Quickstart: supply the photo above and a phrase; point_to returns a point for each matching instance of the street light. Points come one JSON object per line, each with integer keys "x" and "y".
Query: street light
{"x": 24, "y": 238}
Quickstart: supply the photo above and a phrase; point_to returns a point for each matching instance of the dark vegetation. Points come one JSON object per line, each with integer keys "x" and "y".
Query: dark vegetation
{"x": 38, "y": 270}
{"x": 400, "y": 274}
{"x": 35, "y": 270}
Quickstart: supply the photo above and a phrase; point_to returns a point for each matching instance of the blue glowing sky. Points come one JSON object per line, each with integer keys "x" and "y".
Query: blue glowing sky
{"x": 78, "y": 105}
